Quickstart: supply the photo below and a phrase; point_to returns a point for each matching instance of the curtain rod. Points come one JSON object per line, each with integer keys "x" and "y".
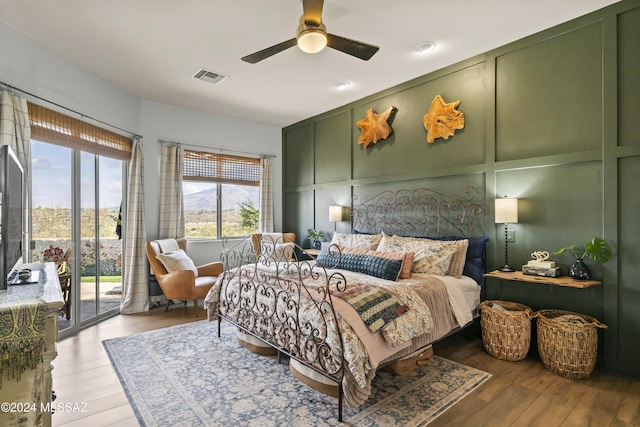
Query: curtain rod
{"x": 221, "y": 150}
{"x": 134, "y": 135}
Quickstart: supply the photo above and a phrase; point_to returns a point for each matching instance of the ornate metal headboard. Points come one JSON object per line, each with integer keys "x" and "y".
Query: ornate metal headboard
{"x": 421, "y": 212}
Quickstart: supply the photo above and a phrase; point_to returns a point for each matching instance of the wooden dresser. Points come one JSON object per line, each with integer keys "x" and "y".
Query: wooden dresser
{"x": 29, "y": 312}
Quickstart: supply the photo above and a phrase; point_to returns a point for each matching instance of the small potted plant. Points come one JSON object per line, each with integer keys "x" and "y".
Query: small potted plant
{"x": 315, "y": 236}
{"x": 58, "y": 256}
{"x": 596, "y": 249}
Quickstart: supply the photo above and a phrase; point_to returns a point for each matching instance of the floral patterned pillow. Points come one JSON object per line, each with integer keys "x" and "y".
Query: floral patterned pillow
{"x": 356, "y": 241}
{"x": 431, "y": 257}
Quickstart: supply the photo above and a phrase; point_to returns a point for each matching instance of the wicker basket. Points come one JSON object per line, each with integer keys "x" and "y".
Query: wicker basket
{"x": 568, "y": 349}
{"x": 506, "y": 334}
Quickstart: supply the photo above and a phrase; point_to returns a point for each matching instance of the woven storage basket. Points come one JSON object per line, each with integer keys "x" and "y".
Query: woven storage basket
{"x": 568, "y": 349}
{"x": 506, "y": 334}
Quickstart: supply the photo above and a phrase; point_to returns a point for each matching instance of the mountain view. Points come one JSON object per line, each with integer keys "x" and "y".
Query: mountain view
{"x": 200, "y": 211}
{"x": 231, "y": 197}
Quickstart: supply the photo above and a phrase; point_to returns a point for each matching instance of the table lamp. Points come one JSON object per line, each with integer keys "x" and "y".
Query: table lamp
{"x": 336, "y": 214}
{"x": 506, "y": 210}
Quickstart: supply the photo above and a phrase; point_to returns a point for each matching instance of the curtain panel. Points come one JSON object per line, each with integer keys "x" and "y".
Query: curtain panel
{"x": 266, "y": 197}
{"x": 135, "y": 280}
{"x": 171, "y": 199}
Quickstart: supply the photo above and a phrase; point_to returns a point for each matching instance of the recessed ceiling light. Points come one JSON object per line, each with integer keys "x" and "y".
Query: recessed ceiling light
{"x": 425, "y": 47}
{"x": 341, "y": 85}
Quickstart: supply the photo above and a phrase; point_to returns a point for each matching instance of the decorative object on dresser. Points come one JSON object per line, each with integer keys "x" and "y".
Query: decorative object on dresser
{"x": 506, "y": 212}
{"x": 539, "y": 266}
{"x": 375, "y": 127}
{"x": 597, "y": 249}
{"x": 442, "y": 119}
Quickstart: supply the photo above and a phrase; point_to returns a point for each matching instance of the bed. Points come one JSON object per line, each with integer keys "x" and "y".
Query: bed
{"x": 408, "y": 275}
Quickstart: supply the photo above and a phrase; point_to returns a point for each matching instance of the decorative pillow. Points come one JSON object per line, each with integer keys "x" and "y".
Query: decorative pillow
{"x": 475, "y": 264}
{"x": 459, "y": 257}
{"x": 176, "y": 261}
{"x": 280, "y": 252}
{"x": 384, "y": 268}
{"x": 356, "y": 241}
{"x": 407, "y": 258}
{"x": 431, "y": 256}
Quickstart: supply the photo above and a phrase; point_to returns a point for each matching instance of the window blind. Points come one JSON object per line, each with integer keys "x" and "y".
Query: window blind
{"x": 221, "y": 168}
{"x": 57, "y": 128}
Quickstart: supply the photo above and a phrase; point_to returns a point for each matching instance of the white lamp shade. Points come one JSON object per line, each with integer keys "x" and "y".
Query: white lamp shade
{"x": 335, "y": 213}
{"x": 506, "y": 210}
{"x": 312, "y": 41}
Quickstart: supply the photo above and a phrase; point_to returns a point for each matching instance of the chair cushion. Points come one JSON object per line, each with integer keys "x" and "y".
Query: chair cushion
{"x": 206, "y": 280}
{"x": 176, "y": 261}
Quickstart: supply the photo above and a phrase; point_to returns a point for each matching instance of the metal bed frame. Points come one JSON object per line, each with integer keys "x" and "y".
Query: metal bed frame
{"x": 271, "y": 306}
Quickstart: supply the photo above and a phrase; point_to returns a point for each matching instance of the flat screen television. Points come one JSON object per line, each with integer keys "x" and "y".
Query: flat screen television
{"x": 11, "y": 215}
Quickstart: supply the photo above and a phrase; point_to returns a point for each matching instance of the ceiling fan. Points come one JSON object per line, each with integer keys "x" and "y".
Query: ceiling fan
{"x": 312, "y": 37}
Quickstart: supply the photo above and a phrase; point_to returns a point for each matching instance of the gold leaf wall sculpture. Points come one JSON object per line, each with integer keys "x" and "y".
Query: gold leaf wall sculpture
{"x": 442, "y": 119}
{"x": 374, "y": 127}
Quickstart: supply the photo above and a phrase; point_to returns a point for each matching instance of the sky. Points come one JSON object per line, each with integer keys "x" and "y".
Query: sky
{"x": 51, "y": 175}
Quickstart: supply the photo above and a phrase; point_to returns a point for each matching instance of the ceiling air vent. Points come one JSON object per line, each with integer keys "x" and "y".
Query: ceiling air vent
{"x": 209, "y": 76}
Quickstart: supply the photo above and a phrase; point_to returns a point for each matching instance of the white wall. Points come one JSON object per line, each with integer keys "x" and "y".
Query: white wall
{"x": 170, "y": 123}
{"x": 29, "y": 66}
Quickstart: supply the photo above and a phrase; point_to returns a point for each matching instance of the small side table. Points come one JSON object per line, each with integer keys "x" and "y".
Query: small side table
{"x": 311, "y": 251}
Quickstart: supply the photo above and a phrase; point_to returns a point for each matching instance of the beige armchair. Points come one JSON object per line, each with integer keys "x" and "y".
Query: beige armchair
{"x": 182, "y": 284}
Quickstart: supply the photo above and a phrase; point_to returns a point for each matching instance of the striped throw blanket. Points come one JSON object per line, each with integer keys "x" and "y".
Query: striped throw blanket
{"x": 376, "y": 305}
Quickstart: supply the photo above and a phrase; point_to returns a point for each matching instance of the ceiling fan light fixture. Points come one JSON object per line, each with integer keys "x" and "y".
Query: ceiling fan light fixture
{"x": 312, "y": 40}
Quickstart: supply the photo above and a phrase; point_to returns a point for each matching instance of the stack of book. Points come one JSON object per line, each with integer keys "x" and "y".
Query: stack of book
{"x": 541, "y": 268}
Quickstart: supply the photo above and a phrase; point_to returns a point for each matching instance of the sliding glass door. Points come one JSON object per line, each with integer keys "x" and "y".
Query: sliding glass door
{"x": 76, "y": 198}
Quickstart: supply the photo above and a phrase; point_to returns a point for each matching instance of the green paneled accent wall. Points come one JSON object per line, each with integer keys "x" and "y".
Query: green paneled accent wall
{"x": 326, "y": 197}
{"x": 629, "y": 254}
{"x": 546, "y": 223}
{"x": 330, "y": 151}
{"x": 299, "y": 213}
{"x": 546, "y": 220}
{"x": 553, "y": 119}
{"x": 628, "y": 77}
{"x": 408, "y": 142}
{"x": 549, "y": 97}
{"x": 298, "y": 154}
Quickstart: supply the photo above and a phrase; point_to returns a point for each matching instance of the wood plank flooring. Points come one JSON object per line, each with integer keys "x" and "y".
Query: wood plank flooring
{"x": 520, "y": 393}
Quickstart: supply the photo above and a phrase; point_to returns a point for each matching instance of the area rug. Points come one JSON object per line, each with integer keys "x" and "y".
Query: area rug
{"x": 185, "y": 375}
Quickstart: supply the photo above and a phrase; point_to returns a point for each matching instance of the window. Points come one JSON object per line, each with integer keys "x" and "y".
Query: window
{"x": 78, "y": 176}
{"x": 221, "y": 195}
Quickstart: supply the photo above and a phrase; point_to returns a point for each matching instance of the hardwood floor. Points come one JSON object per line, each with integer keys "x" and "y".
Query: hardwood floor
{"x": 520, "y": 393}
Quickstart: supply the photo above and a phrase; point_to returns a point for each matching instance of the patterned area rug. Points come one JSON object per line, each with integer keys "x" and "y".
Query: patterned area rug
{"x": 186, "y": 376}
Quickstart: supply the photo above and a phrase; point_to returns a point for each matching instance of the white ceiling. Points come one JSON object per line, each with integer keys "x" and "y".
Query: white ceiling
{"x": 152, "y": 48}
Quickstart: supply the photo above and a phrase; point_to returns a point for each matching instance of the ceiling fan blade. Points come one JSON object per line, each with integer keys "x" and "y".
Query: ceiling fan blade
{"x": 355, "y": 48}
{"x": 312, "y": 12}
{"x": 265, "y": 53}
